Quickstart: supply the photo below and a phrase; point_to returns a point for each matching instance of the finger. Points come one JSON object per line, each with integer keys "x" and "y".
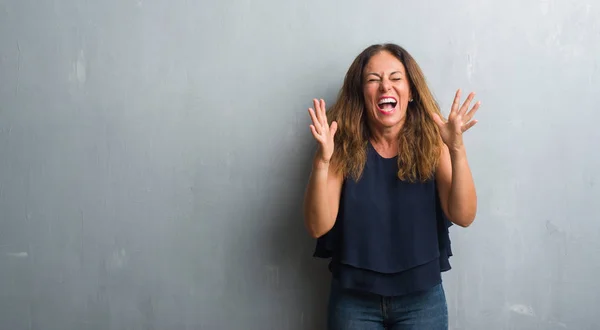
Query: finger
{"x": 313, "y": 117}
{"x": 467, "y": 103}
{"x": 333, "y": 128}
{"x": 324, "y": 113}
{"x": 472, "y": 112}
{"x": 456, "y": 102}
{"x": 317, "y": 106}
{"x": 318, "y": 112}
{"x": 469, "y": 125}
{"x": 318, "y": 137}
{"x": 314, "y": 133}
{"x": 316, "y": 122}
{"x": 438, "y": 120}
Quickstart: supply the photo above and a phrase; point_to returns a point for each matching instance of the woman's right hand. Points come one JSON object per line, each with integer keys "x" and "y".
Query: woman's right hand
{"x": 322, "y": 131}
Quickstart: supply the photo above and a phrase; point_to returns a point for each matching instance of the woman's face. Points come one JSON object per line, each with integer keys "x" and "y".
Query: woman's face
{"x": 386, "y": 91}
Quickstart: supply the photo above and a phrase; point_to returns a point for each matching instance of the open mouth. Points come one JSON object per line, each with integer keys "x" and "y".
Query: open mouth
{"x": 387, "y": 104}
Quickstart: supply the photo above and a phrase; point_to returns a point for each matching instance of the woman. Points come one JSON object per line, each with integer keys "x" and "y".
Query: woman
{"x": 388, "y": 179}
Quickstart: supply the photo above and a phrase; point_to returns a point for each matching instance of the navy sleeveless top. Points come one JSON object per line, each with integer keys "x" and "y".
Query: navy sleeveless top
{"x": 390, "y": 236}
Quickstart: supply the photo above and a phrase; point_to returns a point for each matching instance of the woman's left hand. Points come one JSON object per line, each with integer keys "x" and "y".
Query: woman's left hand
{"x": 459, "y": 121}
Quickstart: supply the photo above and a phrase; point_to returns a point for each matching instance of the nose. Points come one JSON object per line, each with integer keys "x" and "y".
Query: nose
{"x": 385, "y": 85}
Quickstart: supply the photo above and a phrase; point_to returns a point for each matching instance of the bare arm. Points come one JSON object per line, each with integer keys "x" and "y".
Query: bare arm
{"x": 322, "y": 198}
{"x": 453, "y": 175}
{"x": 456, "y": 187}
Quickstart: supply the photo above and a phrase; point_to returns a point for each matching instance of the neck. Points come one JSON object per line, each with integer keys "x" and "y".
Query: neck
{"x": 385, "y": 136}
{"x": 385, "y": 140}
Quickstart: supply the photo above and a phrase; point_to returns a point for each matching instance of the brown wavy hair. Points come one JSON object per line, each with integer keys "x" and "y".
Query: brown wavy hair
{"x": 419, "y": 141}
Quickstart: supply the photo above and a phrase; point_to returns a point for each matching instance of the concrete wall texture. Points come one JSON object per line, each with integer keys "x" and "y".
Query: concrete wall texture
{"x": 154, "y": 154}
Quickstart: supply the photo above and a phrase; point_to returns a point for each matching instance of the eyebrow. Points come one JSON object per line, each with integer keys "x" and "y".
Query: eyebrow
{"x": 378, "y": 75}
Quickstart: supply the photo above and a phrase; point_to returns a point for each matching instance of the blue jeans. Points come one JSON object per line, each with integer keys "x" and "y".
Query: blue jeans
{"x": 350, "y": 310}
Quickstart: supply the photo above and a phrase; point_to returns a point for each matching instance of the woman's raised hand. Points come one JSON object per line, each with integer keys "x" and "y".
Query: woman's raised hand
{"x": 322, "y": 131}
{"x": 459, "y": 121}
